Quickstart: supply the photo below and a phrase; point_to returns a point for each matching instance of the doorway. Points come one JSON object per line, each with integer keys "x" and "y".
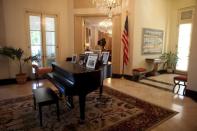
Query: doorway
{"x": 42, "y": 37}
{"x": 89, "y": 29}
{"x": 184, "y": 38}
{"x": 98, "y": 34}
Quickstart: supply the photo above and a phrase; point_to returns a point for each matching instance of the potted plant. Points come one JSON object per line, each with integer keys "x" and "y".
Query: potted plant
{"x": 170, "y": 61}
{"x": 18, "y": 54}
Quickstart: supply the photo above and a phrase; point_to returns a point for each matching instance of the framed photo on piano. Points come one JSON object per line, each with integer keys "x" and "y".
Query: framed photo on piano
{"x": 92, "y": 60}
{"x": 74, "y": 59}
{"x": 105, "y": 57}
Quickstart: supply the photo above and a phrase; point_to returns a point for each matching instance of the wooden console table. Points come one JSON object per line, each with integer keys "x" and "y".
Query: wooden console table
{"x": 155, "y": 62}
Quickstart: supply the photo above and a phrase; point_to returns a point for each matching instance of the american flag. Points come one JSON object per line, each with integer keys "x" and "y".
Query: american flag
{"x": 125, "y": 41}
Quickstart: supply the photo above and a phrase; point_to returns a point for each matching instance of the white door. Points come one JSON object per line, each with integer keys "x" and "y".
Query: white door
{"x": 42, "y": 36}
{"x": 184, "y": 41}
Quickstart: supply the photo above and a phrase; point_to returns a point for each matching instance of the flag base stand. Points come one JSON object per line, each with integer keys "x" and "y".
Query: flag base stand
{"x": 122, "y": 77}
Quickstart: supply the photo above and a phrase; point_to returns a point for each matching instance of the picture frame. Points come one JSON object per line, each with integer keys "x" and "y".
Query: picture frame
{"x": 88, "y": 52}
{"x": 74, "y": 59}
{"x": 82, "y": 59}
{"x": 99, "y": 52}
{"x": 105, "y": 57}
{"x": 92, "y": 60}
{"x": 152, "y": 41}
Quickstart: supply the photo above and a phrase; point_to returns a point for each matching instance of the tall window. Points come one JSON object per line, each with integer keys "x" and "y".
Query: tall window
{"x": 184, "y": 41}
{"x": 184, "y": 38}
{"x": 43, "y": 42}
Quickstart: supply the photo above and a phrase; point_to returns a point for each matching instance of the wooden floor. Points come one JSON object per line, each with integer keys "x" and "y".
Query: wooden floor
{"x": 185, "y": 120}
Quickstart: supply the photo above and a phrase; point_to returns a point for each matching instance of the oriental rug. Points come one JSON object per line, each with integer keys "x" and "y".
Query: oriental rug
{"x": 114, "y": 111}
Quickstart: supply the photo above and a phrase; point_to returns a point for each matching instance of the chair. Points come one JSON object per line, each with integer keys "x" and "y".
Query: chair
{"x": 40, "y": 71}
{"x": 180, "y": 80}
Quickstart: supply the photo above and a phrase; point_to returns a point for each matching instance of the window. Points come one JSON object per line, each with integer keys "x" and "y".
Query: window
{"x": 184, "y": 38}
{"x": 184, "y": 41}
{"x": 42, "y": 33}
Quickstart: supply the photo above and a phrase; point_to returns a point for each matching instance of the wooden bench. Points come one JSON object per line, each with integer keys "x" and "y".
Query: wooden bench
{"x": 139, "y": 73}
{"x": 180, "y": 80}
{"x": 45, "y": 96}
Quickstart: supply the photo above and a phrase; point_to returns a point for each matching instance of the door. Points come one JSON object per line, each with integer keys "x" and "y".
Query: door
{"x": 184, "y": 38}
{"x": 184, "y": 41}
{"x": 42, "y": 38}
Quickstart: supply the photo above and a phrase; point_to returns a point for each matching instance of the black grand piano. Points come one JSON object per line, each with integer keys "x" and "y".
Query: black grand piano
{"x": 75, "y": 80}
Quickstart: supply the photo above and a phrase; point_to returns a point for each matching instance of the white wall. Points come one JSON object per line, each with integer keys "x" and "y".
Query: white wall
{"x": 192, "y": 71}
{"x": 15, "y": 24}
{"x": 4, "y": 68}
{"x": 148, "y": 14}
{"x": 2, "y": 25}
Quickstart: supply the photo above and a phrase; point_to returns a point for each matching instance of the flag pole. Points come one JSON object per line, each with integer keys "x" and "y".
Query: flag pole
{"x": 123, "y": 67}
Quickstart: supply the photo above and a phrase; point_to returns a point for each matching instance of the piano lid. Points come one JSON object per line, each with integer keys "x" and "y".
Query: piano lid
{"x": 73, "y": 68}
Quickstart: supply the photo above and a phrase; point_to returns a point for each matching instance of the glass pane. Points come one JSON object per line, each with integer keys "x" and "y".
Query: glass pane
{"x": 184, "y": 41}
{"x": 50, "y": 38}
{"x": 37, "y": 50}
{"x": 35, "y": 37}
{"x": 51, "y": 51}
{"x": 50, "y": 55}
{"x": 50, "y": 61}
{"x": 34, "y": 22}
{"x": 50, "y": 24}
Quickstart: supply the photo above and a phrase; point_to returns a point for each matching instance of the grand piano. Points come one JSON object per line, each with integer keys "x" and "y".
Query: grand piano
{"x": 74, "y": 80}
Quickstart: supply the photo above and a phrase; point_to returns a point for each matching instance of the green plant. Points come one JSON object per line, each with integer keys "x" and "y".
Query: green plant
{"x": 17, "y": 54}
{"x": 170, "y": 60}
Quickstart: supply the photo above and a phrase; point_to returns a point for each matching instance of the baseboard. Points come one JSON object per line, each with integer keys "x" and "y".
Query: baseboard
{"x": 7, "y": 81}
{"x": 128, "y": 77}
{"x": 116, "y": 75}
{"x": 191, "y": 94}
{"x": 10, "y": 81}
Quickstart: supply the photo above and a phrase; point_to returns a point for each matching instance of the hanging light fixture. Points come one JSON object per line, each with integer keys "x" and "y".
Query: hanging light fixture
{"x": 106, "y": 26}
{"x": 110, "y": 5}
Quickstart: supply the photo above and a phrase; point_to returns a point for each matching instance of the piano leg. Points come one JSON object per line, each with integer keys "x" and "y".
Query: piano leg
{"x": 70, "y": 102}
{"x": 82, "y": 99}
{"x": 101, "y": 91}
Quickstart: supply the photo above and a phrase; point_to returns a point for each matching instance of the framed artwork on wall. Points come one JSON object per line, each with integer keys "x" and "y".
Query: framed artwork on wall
{"x": 152, "y": 41}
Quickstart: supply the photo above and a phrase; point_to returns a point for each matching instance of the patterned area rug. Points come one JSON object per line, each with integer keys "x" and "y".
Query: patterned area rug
{"x": 115, "y": 111}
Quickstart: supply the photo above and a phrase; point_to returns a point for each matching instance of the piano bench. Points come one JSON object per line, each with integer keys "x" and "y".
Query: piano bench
{"x": 45, "y": 96}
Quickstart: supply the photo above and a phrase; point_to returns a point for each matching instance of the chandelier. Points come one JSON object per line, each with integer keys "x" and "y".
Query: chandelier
{"x": 106, "y": 26}
{"x": 110, "y": 5}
